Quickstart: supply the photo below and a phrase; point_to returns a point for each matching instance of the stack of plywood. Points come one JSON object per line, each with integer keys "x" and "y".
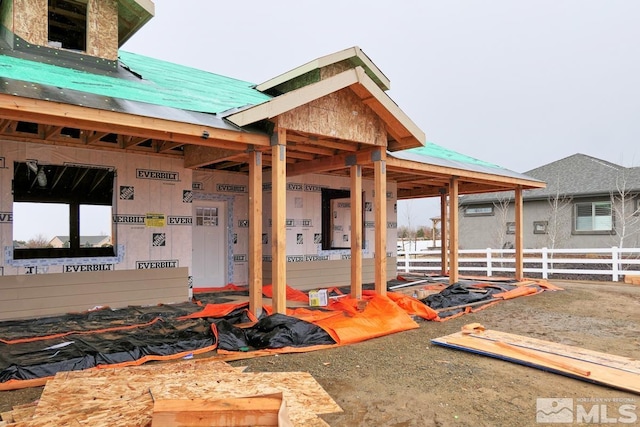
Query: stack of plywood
{"x": 126, "y": 396}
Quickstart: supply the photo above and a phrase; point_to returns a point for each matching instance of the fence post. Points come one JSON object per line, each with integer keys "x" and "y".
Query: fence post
{"x": 545, "y": 265}
{"x": 406, "y": 261}
{"x": 615, "y": 267}
{"x": 489, "y": 269}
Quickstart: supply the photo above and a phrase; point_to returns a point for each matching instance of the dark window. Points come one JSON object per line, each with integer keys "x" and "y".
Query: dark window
{"x": 68, "y": 24}
{"x": 336, "y": 219}
{"x": 62, "y": 211}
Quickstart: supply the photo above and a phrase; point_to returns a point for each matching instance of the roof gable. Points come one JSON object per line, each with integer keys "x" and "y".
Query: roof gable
{"x": 310, "y": 72}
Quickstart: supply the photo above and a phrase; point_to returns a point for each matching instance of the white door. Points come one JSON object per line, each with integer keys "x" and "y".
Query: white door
{"x": 209, "y": 252}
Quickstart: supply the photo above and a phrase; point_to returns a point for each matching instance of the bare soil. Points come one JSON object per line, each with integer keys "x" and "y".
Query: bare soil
{"x": 405, "y": 380}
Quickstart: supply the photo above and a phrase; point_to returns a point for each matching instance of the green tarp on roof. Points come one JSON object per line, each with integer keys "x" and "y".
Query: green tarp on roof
{"x": 160, "y": 83}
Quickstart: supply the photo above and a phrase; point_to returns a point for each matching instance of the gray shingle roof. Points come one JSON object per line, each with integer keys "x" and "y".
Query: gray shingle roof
{"x": 578, "y": 175}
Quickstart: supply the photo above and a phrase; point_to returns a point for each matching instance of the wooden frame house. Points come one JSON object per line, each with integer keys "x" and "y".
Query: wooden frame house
{"x": 210, "y": 180}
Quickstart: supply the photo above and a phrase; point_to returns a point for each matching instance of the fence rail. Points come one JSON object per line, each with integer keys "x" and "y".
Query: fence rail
{"x": 613, "y": 263}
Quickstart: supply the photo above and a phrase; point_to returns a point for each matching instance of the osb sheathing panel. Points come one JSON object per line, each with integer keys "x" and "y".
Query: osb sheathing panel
{"x": 339, "y": 115}
{"x": 30, "y": 20}
{"x": 124, "y": 396}
{"x": 102, "y": 29}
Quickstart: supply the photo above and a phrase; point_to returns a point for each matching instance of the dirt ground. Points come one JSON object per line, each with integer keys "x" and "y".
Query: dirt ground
{"x": 405, "y": 380}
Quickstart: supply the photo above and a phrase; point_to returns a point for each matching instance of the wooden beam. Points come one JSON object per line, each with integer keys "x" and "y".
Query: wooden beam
{"x": 59, "y": 114}
{"x": 4, "y": 125}
{"x": 519, "y": 234}
{"x": 132, "y": 141}
{"x": 340, "y": 161}
{"x": 453, "y": 230}
{"x": 51, "y": 131}
{"x": 306, "y": 148}
{"x": 380, "y": 203}
{"x": 444, "y": 232}
{"x": 196, "y": 156}
{"x": 255, "y": 232}
{"x": 278, "y": 218}
{"x": 356, "y": 232}
{"x": 321, "y": 142}
{"x": 94, "y": 137}
{"x": 165, "y": 146}
{"x": 480, "y": 177}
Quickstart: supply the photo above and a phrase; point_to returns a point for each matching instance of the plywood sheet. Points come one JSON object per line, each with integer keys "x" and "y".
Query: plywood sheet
{"x": 125, "y": 396}
{"x": 601, "y": 368}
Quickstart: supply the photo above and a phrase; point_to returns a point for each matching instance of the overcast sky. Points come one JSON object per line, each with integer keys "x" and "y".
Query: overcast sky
{"x": 517, "y": 83}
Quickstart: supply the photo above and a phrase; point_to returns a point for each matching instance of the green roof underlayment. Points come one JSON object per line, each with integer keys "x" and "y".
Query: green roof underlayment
{"x": 152, "y": 81}
{"x": 435, "y": 150}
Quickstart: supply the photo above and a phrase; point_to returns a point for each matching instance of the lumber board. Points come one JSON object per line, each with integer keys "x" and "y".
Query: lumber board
{"x": 600, "y": 368}
{"x": 230, "y": 412}
{"x": 125, "y": 396}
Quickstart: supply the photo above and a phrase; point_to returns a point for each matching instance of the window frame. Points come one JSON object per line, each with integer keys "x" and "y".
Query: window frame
{"x": 544, "y": 224}
{"x": 467, "y": 210}
{"x": 73, "y": 199}
{"x": 592, "y": 204}
{"x": 66, "y": 20}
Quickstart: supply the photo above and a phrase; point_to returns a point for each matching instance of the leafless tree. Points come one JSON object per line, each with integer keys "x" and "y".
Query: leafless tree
{"x": 558, "y": 227}
{"x": 626, "y": 216}
{"x": 501, "y": 206}
{"x": 38, "y": 241}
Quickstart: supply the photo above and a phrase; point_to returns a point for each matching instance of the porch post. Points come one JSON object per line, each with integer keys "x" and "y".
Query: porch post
{"x": 519, "y": 267}
{"x": 278, "y": 224}
{"x": 380, "y": 201}
{"x": 444, "y": 231}
{"x": 453, "y": 230}
{"x": 255, "y": 232}
{"x": 356, "y": 231}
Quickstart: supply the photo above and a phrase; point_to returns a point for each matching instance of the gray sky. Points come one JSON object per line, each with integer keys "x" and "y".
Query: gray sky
{"x": 517, "y": 83}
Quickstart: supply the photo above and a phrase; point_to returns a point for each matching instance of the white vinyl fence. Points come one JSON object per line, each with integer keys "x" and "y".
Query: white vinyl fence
{"x": 597, "y": 264}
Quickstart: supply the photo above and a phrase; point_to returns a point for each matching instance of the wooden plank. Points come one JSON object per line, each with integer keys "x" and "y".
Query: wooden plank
{"x": 255, "y": 232}
{"x": 239, "y": 411}
{"x": 278, "y": 215}
{"x": 591, "y": 366}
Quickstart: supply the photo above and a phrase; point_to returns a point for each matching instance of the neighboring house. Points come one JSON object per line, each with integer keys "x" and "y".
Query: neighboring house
{"x": 85, "y": 241}
{"x": 293, "y": 181}
{"x": 588, "y": 203}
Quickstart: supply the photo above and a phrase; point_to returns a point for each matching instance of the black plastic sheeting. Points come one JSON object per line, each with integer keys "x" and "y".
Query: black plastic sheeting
{"x": 167, "y": 336}
{"x": 43, "y": 358}
{"x": 462, "y": 293}
{"x": 275, "y": 331}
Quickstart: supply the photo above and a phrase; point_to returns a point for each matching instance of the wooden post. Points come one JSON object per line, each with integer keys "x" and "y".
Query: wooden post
{"x": 444, "y": 230}
{"x": 255, "y": 232}
{"x": 380, "y": 201}
{"x": 453, "y": 230}
{"x": 278, "y": 224}
{"x": 519, "y": 267}
{"x": 356, "y": 231}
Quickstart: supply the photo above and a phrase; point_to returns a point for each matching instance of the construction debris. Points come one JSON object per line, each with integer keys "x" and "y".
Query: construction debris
{"x": 601, "y": 368}
{"x": 126, "y": 396}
